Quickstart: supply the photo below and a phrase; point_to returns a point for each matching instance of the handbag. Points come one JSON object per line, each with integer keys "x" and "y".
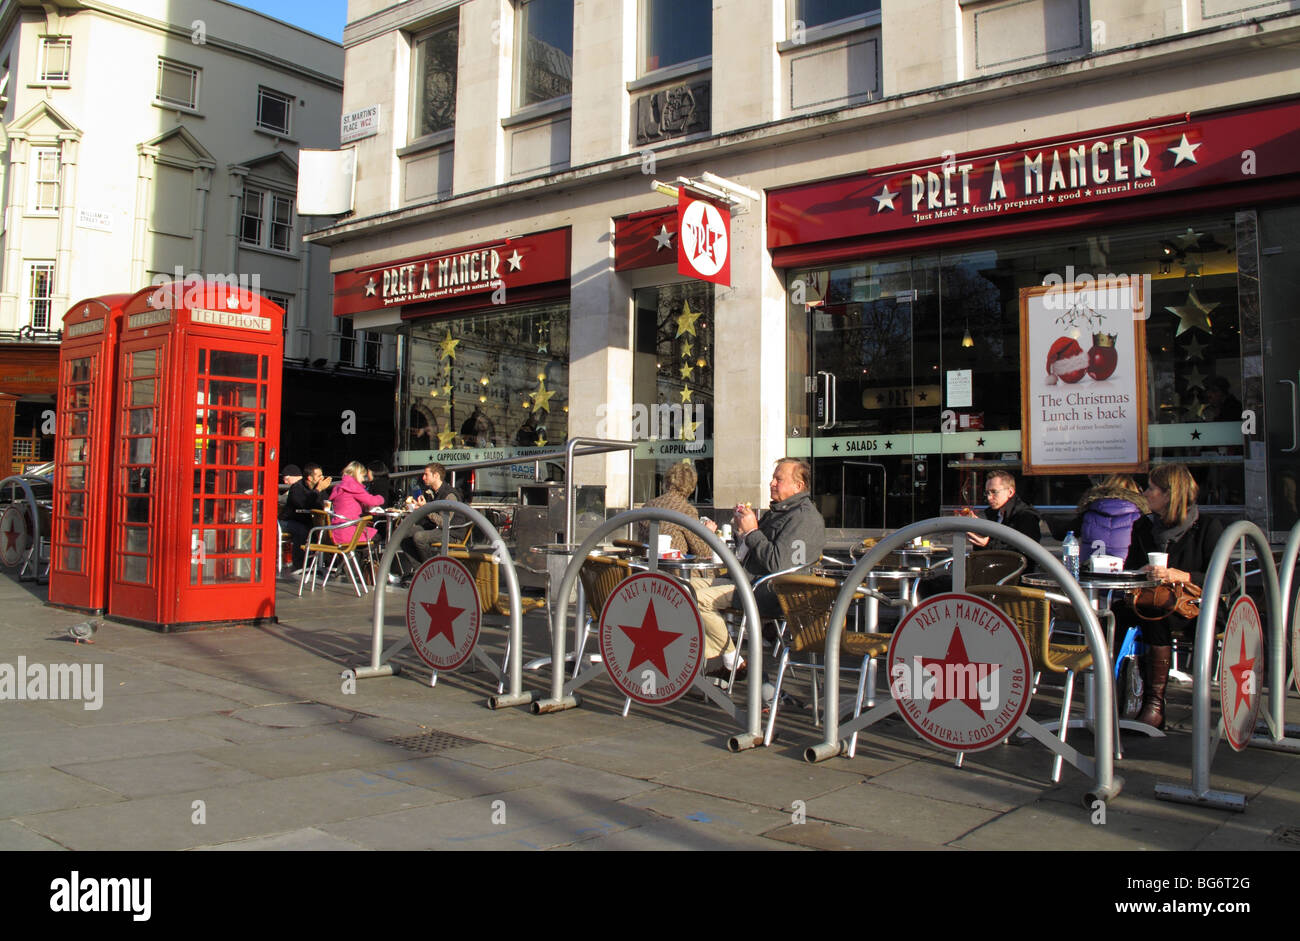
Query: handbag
{"x": 1128, "y": 676}
{"x": 1160, "y": 601}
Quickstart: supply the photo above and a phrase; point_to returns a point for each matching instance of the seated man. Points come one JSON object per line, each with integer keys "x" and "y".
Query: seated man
{"x": 1009, "y": 510}
{"x": 792, "y": 532}
{"x": 424, "y": 543}
{"x": 305, "y": 493}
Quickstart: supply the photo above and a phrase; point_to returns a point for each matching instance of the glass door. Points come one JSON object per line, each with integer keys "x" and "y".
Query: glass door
{"x": 1279, "y": 255}
{"x": 137, "y": 519}
{"x": 74, "y": 465}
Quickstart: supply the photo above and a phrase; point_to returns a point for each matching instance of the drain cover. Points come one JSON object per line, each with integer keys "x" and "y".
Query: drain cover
{"x": 1287, "y": 836}
{"x": 431, "y": 741}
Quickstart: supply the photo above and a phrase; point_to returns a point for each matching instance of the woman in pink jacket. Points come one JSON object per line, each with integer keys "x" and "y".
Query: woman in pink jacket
{"x": 349, "y": 500}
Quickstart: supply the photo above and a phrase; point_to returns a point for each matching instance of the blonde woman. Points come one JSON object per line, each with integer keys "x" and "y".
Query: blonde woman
{"x": 350, "y": 500}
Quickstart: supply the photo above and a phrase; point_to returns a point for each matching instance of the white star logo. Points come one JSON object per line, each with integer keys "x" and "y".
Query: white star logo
{"x": 516, "y": 262}
{"x": 1184, "y": 151}
{"x": 885, "y": 200}
{"x": 664, "y": 239}
{"x": 370, "y": 288}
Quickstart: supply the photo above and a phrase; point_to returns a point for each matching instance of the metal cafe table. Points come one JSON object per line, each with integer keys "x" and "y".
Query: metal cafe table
{"x": 558, "y": 555}
{"x": 1100, "y": 588}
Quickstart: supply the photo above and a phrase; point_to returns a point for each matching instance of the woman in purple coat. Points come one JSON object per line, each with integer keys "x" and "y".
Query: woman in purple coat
{"x": 350, "y": 500}
{"x": 1106, "y": 517}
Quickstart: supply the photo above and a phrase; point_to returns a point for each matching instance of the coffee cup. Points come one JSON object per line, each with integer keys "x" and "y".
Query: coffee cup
{"x": 665, "y": 545}
{"x": 1158, "y": 559}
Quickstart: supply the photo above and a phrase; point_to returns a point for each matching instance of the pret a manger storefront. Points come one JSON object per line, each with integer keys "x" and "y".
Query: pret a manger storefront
{"x": 1059, "y": 307}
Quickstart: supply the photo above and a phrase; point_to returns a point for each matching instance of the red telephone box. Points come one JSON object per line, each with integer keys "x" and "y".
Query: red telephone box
{"x": 83, "y": 453}
{"x": 194, "y": 492}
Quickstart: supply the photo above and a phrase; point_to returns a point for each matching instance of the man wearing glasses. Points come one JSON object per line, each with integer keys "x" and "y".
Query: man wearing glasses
{"x": 1009, "y": 510}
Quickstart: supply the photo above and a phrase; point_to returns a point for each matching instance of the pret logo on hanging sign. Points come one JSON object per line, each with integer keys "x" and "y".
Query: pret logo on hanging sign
{"x": 651, "y": 638}
{"x": 1240, "y": 666}
{"x": 704, "y": 240}
{"x": 959, "y": 672}
{"x": 442, "y": 613}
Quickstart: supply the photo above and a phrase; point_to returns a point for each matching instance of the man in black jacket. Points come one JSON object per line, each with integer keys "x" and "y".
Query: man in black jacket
{"x": 306, "y": 493}
{"x": 1009, "y": 510}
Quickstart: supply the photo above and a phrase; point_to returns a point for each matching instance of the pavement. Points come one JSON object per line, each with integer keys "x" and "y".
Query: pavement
{"x": 249, "y": 738}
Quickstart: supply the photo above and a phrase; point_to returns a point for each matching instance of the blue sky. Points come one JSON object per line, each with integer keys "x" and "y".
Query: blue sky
{"x": 323, "y": 17}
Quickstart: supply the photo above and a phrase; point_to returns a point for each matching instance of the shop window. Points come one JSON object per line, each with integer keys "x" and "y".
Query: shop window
{"x": 45, "y": 179}
{"x": 434, "y": 81}
{"x": 672, "y": 385}
{"x": 544, "y": 64}
{"x": 56, "y": 58}
{"x": 810, "y": 13}
{"x": 273, "y": 111}
{"x": 496, "y": 380}
{"x": 178, "y": 84}
{"x": 266, "y": 219}
{"x": 675, "y": 32}
{"x": 40, "y": 294}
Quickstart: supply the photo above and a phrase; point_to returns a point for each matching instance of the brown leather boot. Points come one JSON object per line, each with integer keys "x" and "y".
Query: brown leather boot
{"x": 1157, "y": 661}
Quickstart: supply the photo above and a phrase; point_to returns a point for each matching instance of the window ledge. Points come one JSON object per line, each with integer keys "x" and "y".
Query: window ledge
{"x": 262, "y": 249}
{"x": 49, "y": 84}
{"x": 428, "y": 142}
{"x": 834, "y": 30}
{"x": 539, "y": 110}
{"x": 681, "y": 70}
{"x": 179, "y": 109}
{"x": 41, "y": 214}
{"x": 275, "y": 135}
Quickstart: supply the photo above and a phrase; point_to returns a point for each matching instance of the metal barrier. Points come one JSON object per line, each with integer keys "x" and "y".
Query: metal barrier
{"x": 1200, "y": 792}
{"x": 1106, "y": 786}
{"x": 562, "y": 694}
{"x": 380, "y": 658}
{"x": 1290, "y": 615}
{"x": 30, "y": 568}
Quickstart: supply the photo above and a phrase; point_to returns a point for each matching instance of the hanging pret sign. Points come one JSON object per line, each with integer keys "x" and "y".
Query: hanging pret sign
{"x": 704, "y": 240}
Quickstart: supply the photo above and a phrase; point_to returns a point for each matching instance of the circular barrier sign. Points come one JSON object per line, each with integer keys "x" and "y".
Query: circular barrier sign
{"x": 442, "y": 613}
{"x": 15, "y": 535}
{"x": 1240, "y": 664}
{"x": 959, "y": 672}
{"x": 651, "y": 638}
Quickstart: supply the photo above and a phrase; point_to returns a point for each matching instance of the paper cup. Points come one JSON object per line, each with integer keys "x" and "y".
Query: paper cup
{"x": 1158, "y": 559}
{"x": 665, "y": 545}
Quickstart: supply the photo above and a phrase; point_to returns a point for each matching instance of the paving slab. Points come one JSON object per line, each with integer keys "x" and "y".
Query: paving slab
{"x": 819, "y": 835}
{"x": 159, "y": 774}
{"x": 707, "y": 809}
{"x": 1055, "y": 826}
{"x": 308, "y": 839}
{"x": 675, "y": 836}
{"x": 445, "y": 775}
{"x": 758, "y": 777}
{"x": 14, "y": 837}
{"x": 869, "y": 806}
{"x": 120, "y": 707}
{"x": 648, "y": 753}
{"x": 72, "y": 745}
{"x": 231, "y": 813}
{"x": 331, "y": 747}
{"x": 36, "y": 790}
{"x": 943, "y": 780}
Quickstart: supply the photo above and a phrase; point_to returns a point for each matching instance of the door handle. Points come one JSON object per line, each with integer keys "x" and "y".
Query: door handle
{"x": 1295, "y": 418}
{"x": 833, "y": 389}
{"x": 826, "y": 401}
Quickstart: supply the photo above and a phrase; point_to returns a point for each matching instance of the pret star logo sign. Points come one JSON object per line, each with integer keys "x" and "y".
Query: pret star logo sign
{"x": 959, "y": 672}
{"x": 443, "y": 615}
{"x": 1240, "y": 688}
{"x": 704, "y": 240}
{"x": 651, "y": 638}
{"x": 15, "y": 535}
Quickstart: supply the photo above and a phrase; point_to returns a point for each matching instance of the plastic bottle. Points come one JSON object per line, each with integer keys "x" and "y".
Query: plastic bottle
{"x": 1070, "y": 554}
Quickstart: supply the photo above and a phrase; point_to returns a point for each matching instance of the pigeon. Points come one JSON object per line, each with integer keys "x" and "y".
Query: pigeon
{"x": 84, "y": 631}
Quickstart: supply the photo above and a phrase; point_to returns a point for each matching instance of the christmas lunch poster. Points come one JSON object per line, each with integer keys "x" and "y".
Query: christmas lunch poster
{"x": 1083, "y": 381}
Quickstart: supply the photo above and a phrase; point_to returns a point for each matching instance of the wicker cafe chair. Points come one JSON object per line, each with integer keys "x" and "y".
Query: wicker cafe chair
{"x": 994, "y": 567}
{"x": 1031, "y": 611}
{"x": 600, "y": 575}
{"x": 318, "y": 545}
{"x": 485, "y": 569}
{"x": 806, "y": 602}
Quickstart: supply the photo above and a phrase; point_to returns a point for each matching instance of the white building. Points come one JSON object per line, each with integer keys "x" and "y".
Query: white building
{"x": 864, "y": 307}
{"x": 150, "y": 137}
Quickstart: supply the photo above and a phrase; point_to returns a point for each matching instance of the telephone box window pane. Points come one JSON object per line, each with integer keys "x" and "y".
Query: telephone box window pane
{"x": 72, "y": 560}
{"x": 137, "y": 539}
{"x": 138, "y": 480}
{"x": 75, "y": 504}
{"x": 81, "y": 370}
{"x": 236, "y": 365}
{"x": 76, "y": 450}
{"x": 137, "y": 509}
{"x": 263, "y": 372}
{"x": 80, "y": 397}
{"x": 141, "y": 421}
{"x": 144, "y": 363}
{"x": 229, "y": 394}
{"x": 76, "y": 478}
{"x": 135, "y": 569}
{"x": 80, "y": 423}
{"x": 142, "y": 392}
{"x": 74, "y": 530}
{"x": 140, "y": 451}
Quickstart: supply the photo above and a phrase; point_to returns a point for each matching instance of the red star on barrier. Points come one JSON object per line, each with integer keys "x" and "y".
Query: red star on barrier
{"x": 1239, "y": 671}
{"x": 11, "y": 538}
{"x": 441, "y": 616}
{"x": 959, "y": 659}
{"x": 648, "y": 642}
